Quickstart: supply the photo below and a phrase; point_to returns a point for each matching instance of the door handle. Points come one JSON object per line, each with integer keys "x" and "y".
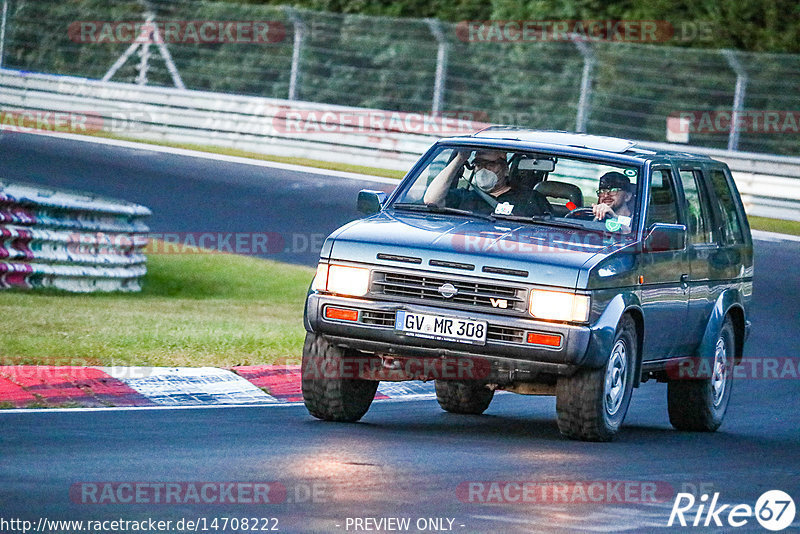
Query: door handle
{"x": 685, "y": 280}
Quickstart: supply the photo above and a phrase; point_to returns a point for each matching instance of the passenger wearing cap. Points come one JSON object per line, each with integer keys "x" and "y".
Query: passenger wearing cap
{"x": 613, "y": 197}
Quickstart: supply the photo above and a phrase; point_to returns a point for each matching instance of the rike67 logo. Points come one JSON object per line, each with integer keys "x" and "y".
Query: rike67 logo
{"x": 774, "y": 510}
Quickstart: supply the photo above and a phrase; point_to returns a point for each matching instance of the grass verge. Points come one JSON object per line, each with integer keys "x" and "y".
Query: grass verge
{"x": 774, "y": 225}
{"x": 195, "y": 310}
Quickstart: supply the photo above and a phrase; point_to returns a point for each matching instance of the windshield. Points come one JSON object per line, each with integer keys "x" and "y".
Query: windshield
{"x": 525, "y": 187}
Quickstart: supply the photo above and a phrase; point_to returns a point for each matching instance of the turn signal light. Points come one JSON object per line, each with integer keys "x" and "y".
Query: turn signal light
{"x": 549, "y": 340}
{"x": 341, "y": 314}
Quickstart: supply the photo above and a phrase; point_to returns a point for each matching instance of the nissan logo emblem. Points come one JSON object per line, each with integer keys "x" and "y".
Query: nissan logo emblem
{"x": 447, "y": 290}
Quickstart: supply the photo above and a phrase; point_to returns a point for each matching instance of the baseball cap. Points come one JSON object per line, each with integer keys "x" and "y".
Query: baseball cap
{"x": 615, "y": 179}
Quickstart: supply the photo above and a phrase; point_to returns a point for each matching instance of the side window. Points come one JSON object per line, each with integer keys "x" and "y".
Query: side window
{"x": 698, "y": 217}
{"x": 730, "y": 226}
{"x": 663, "y": 207}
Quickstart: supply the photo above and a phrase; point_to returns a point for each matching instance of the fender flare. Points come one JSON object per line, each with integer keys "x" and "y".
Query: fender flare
{"x": 729, "y": 300}
{"x": 306, "y": 321}
{"x": 604, "y": 329}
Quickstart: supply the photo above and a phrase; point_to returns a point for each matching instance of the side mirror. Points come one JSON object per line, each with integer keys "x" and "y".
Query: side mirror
{"x": 370, "y": 202}
{"x": 662, "y": 237}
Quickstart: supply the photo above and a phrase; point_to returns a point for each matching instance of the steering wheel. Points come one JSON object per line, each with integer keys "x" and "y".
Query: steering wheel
{"x": 585, "y": 214}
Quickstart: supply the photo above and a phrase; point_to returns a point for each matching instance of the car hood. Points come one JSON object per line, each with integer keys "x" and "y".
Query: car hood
{"x": 548, "y": 255}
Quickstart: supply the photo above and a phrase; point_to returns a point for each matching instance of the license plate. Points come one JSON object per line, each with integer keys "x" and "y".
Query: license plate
{"x": 438, "y": 327}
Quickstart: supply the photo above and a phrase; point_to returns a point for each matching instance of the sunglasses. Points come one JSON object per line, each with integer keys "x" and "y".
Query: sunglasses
{"x": 608, "y": 190}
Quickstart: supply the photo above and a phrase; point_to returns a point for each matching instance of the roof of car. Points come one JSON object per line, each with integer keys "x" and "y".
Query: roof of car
{"x": 572, "y": 141}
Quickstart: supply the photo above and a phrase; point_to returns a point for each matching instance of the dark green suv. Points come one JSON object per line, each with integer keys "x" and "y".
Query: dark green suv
{"x": 542, "y": 263}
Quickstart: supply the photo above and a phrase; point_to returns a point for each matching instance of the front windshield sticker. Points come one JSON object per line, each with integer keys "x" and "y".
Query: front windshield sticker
{"x": 630, "y": 172}
{"x": 504, "y": 208}
{"x": 624, "y": 221}
{"x": 613, "y": 225}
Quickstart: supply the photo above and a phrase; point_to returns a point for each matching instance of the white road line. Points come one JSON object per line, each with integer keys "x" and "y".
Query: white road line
{"x": 176, "y": 386}
{"x": 761, "y": 235}
{"x": 136, "y": 408}
{"x": 405, "y": 398}
{"x": 218, "y": 157}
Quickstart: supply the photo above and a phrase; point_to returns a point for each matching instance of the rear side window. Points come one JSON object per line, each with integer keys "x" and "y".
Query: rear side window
{"x": 730, "y": 225}
{"x": 663, "y": 208}
{"x": 698, "y": 214}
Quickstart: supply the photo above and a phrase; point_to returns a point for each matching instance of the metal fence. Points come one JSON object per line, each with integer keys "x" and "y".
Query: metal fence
{"x": 414, "y": 65}
{"x": 69, "y": 241}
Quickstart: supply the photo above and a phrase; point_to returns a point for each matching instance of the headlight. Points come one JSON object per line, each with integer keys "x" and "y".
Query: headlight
{"x": 559, "y": 305}
{"x": 352, "y": 281}
{"x": 321, "y": 278}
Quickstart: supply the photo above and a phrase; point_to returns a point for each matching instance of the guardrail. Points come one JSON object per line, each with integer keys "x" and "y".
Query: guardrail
{"x": 770, "y": 185}
{"x": 252, "y": 124}
{"x": 70, "y": 241}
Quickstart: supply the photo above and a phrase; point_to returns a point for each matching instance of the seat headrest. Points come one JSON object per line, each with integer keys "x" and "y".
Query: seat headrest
{"x": 570, "y": 192}
{"x": 523, "y": 179}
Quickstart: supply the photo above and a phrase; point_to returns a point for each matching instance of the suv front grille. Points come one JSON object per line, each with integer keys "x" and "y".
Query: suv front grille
{"x": 417, "y": 287}
{"x": 377, "y": 318}
{"x": 502, "y": 333}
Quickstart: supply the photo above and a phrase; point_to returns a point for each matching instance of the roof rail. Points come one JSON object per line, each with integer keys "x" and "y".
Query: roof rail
{"x": 557, "y": 137}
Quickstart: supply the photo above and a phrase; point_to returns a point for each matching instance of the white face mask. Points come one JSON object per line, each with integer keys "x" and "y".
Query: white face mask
{"x": 486, "y": 179}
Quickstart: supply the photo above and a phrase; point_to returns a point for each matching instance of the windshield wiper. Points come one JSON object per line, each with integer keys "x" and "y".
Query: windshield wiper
{"x": 549, "y": 220}
{"x": 543, "y": 219}
{"x": 432, "y": 208}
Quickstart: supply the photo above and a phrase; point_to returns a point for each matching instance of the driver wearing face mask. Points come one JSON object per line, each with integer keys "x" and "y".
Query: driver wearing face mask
{"x": 490, "y": 175}
{"x": 491, "y": 171}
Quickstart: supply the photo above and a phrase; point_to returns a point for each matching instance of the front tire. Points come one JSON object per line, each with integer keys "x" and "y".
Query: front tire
{"x": 329, "y": 394}
{"x": 591, "y": 404}
{"x": 699, "y": 404}
{"x": 464, "y": 397}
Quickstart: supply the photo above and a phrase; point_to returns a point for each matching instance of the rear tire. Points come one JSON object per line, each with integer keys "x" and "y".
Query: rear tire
{"x": 464, "y": 397}
{"x": 591, "y": 404}
{"x": 699, "y": 404}
{"x": 327, "y": 393}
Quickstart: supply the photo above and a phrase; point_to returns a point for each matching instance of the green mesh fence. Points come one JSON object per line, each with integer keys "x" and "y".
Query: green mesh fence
{"x": 391, "y": 64}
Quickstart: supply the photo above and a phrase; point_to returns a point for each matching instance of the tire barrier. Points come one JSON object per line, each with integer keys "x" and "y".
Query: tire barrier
{"x": 70, "y": 241}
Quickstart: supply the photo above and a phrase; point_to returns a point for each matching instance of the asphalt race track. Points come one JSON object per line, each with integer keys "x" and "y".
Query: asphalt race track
{"x": 405, "y": 459}
{"x": 194, "y": 195}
